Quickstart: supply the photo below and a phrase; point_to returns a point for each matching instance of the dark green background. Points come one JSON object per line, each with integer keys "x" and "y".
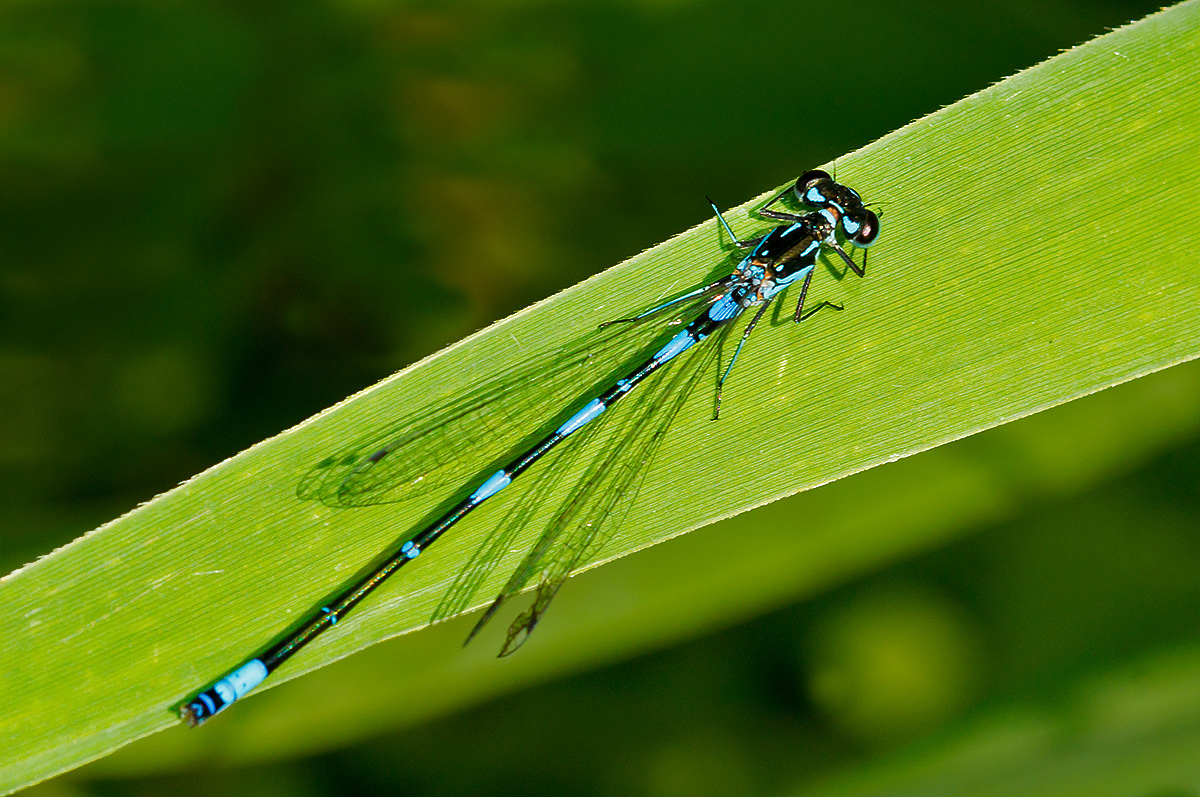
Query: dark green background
{"x": 217, "y": 219}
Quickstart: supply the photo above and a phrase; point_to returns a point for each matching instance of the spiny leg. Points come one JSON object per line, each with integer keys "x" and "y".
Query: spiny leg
{"x": 745, "y": 335}
{"x": 814, "y": 310}
{"x": 859, "y": 270}
{"x": 780, "y": 215}
{"x": 803, "y": 292}
{"x": 800, "y": 315}
{"x": 784, "y": 192}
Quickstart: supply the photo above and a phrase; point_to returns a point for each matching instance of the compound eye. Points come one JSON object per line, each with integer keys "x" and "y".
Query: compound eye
{"x": 868, "y": 229}
{"x": 809, "y": 188}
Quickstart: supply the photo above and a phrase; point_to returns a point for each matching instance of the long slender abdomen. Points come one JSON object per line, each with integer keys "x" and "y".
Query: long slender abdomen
{"x": 249, "y": 675}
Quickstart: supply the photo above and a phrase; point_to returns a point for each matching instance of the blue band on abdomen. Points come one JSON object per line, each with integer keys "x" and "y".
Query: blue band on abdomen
{"x": 677, "y": 345}
{"x": 495, "y": 483}
{"x": 241, "y": 681}
{"x": 585, "y": 415}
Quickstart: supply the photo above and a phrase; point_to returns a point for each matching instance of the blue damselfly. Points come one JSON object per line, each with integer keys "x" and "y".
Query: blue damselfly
{"x": 419, "y": 457}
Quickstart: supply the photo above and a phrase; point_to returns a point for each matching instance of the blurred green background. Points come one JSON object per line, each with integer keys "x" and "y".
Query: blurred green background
{"x": 219, "y": 218}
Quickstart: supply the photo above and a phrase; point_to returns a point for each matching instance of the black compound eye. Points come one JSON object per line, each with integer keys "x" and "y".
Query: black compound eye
{"x": 810, "y": 188}
{"x": 868, "y": 229}
{"x": 812, "y": 176}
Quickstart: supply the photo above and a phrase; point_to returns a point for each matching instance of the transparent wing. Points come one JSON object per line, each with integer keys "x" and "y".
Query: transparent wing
{"x": 541, "y": 487}
{"x": 438, "y": 450}
{"x": 595, "y": 505}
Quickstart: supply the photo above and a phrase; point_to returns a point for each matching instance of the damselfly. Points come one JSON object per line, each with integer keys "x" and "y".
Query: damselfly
{"x": 418, "y": 457}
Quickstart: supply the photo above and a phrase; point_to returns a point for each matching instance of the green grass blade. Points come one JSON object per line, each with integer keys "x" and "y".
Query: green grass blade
{"x": 768, "y": 558}
{"x": 1012, "y": 275}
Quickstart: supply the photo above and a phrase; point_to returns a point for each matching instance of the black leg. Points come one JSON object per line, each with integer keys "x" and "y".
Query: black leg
{"x": 800, "y": 315}
{"x": 860, "y": 271}
{"x": 774, "y": 199}
{"x": 779, "y": 215}
{"x": 813, "y": 310}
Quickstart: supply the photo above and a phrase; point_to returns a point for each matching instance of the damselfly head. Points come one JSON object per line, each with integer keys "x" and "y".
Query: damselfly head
{"x": 816, "y": 189}
{"x": 861, "y": 227}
